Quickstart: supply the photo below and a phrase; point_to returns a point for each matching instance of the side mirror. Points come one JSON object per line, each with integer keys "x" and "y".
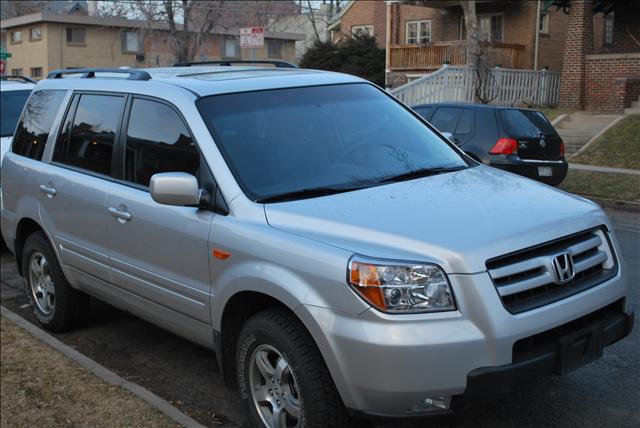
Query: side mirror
{"x": 447, "y": 135}
{"x": 174, "y": 188}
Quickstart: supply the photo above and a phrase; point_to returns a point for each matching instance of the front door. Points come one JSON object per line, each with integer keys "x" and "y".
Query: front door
{"x": 160, "y": 253}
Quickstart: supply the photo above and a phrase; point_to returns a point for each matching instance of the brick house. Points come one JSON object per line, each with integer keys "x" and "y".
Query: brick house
{"x": 42, "y": 42}
{"x": 517, "y": 34}
{"x": 600, "y": 75}
{"x": 365, "y": 16}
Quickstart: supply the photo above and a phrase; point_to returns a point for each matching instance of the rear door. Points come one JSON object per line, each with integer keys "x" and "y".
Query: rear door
{"x": 537, "y": 138}
{"x": 160, "y": 253}
{"x": 74, "y": 186}
{"x": 458, "y": 121}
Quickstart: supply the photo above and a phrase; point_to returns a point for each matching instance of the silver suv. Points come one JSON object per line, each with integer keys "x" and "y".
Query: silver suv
{"x": 337, "y": 253}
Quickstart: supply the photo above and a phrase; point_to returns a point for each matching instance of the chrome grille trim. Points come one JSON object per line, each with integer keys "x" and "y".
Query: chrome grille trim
{"x": 525, "y": 279}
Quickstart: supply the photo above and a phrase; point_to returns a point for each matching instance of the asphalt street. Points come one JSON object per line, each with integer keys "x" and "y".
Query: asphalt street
{"x": 605, "y": 393}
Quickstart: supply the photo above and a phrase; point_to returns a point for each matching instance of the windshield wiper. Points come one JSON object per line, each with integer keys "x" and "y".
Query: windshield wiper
{"x": 420, "y": 173}
{"x": 307, "y": 193}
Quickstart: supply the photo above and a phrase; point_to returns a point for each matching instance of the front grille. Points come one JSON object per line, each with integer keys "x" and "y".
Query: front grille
{"x": 527, "y": 279}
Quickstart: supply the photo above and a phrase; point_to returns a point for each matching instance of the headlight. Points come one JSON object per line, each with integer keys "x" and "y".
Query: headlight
{"x": 401, "y": 287}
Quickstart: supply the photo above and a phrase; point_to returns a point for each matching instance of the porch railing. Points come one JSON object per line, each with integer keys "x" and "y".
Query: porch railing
{"x": 504, "y": 87}
{"x": 434, "y": 55}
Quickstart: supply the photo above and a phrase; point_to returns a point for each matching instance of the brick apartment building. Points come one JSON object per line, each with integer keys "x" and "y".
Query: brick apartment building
{"x": 41, "y": 42}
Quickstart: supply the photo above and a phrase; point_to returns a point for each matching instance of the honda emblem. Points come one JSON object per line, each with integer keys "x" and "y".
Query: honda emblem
{"x": 563, "y": 268}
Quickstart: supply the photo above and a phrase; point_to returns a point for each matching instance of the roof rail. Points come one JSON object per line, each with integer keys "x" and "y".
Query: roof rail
{"x": 23, "y": 79}
{"x": 88, "y": 73}
{"x": 228, "y": 63}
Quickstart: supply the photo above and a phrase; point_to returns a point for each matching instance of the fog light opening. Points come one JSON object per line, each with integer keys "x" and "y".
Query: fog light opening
{"x": 431, "y": 404}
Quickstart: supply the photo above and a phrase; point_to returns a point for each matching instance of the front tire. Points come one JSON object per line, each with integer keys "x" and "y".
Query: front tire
{"x": 56, "y": 305}
{"x": 283, "y": 379}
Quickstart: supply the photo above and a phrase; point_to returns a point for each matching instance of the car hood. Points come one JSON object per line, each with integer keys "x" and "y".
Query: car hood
{"x": 457, "y": 220}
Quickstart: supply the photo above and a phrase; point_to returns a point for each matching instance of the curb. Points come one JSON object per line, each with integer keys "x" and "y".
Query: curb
{"x": 603, "y": 169}
{"x": 559, "y": 119}
{"x": 102, "y": 372}
{"x": 633, "y": 207}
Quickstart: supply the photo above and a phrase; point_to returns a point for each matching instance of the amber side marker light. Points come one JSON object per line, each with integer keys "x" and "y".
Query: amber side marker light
{"x": 364, "y": 277}
{"x": 221, "y": 255}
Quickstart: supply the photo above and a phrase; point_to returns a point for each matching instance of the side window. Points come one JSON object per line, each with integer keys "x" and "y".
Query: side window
{"x": 87, "y": 139}
{"x": 446, "y": 118}
{"x": 465, "y": 123}
{"x": 36, "y": 122}
{"x": 157, "y": 141}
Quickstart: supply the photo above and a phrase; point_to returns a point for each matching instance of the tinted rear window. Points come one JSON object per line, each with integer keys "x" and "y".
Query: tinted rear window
{"x": 35, "y": 125}
{"x": 526, "y": 123}
{"x": 11, "y": 103}
{"x": 87, "y": 143}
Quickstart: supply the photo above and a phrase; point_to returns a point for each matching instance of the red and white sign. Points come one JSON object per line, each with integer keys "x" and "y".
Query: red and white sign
{"x": 252, "y": 37}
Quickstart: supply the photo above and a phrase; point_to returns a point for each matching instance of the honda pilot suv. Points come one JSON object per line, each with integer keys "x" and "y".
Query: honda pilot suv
{"x": 340, "y": 256}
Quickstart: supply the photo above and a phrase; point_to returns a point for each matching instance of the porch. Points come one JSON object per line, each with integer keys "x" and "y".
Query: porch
{"x": 432, "y": 56}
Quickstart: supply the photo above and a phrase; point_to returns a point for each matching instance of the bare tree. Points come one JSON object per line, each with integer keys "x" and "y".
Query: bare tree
{"x": 13, "y": 8}
{"x": 476, "y": 56}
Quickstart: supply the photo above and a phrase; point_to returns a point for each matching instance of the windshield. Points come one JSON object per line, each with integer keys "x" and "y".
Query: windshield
{"x": 11, "y": 105}
{"x": 323, "y": 137}
{"x": 527, "y": 123}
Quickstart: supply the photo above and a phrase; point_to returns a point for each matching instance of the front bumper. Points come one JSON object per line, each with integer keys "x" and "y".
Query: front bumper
{"x": 570, "y": 349}
{"x": 387, "y": 365}
{"x": 530, "y": 168}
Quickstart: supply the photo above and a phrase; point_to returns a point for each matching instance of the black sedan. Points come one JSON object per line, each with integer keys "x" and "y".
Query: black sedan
{"x": 518, "y": 140}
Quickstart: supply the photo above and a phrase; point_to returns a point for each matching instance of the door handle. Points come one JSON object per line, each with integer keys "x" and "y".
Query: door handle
{"x": 49, "y": 190}
{"x": 118, "y": 213}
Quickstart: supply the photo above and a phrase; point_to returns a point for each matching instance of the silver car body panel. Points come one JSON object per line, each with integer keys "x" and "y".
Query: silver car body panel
{"x": 159, "y": 265}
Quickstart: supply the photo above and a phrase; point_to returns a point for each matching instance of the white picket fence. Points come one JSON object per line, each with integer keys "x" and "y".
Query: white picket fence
{"x": 508, "y": 86}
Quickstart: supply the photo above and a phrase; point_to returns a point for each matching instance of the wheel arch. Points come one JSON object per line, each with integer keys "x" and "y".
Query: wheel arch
{"x": 237, "y": 310}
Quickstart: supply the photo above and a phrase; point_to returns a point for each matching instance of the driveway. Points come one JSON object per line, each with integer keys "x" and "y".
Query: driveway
{"x": 604, "y": 393}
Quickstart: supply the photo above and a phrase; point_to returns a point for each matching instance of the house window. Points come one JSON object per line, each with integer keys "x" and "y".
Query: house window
{"x": 363, "y": 30}
{"x": 608, "y": 29}
{"x": 16, "y": 37}
{"x": 131, "y": 42}
{"x": 16, "y": 72}
{"x": 490, "y": 28}
{"x": 275, "y": 48}
{"x": 544, "y": 23}
{"x": 230, "y": 48}
{"x": 36, "y": 72}
{"x": 76, "y": 35}
{"x": 35, "y": 34}
{"x": 418, "y": 32}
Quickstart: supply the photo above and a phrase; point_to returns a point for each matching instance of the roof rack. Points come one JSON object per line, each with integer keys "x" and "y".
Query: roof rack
{"x": 229, "y": 63}
{"x": 23, "y": 79}
{"x": 89, "y": 73}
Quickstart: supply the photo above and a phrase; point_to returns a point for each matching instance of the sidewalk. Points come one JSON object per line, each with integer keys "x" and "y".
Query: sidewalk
{"x": 42, "y": 387}
{"x": 603, "y": 169}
